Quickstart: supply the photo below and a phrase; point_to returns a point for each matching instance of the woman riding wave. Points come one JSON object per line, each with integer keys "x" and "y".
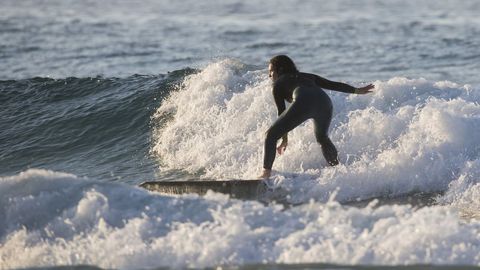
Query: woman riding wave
{"x": 309, "y": 101}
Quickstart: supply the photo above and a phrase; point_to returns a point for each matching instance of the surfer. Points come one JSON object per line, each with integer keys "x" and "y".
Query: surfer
{"x": 308, "y": 101}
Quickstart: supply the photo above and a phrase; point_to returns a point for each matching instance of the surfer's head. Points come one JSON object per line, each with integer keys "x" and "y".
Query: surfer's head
{"x": 279, "y": 65}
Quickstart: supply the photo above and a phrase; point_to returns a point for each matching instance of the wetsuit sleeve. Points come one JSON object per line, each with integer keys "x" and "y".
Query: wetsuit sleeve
{"x": 331, "y": 85}
{"x": 279, "y": 100}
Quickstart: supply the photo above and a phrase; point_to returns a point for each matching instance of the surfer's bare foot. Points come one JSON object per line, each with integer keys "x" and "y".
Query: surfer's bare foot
{"x": 265, "y": 174}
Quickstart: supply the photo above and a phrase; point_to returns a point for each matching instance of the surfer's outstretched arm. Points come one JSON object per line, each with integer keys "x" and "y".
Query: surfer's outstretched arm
{"x": 341, "y": 87}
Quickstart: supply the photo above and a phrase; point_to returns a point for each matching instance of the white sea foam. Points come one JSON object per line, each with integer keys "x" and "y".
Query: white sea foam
{"x": 49, "y": 218}
{"x": 410, "y": 135}
{"x": 464, "y": 192}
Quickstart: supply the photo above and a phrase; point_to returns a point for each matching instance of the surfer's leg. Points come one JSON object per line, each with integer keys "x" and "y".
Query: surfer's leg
{"x": 288, "y": 120}
{"x": 321, "y": 125}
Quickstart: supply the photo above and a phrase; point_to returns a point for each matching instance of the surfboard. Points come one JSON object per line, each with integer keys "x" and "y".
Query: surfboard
{"x": 239, "y": 189}
{"x": 261, "y": 191}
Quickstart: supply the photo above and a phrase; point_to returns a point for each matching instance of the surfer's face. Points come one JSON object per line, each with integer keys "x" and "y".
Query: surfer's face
{"x": 272, "y": 73}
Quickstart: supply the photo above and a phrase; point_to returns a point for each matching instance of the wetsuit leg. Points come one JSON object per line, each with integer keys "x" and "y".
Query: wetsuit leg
{"x": 292, "y": 117}
{"x": 321, "y": 124}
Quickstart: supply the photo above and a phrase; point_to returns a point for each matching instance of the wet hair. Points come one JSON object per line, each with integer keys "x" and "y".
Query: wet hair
{"x": 282, "y": 64}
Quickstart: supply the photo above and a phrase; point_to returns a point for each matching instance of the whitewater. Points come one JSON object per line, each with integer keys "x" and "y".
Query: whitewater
{"x": 410, "y": 136}
{"x": 97, "y": 97}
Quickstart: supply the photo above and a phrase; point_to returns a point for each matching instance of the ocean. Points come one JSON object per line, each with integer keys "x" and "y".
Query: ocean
{"x": 99, "y": 96}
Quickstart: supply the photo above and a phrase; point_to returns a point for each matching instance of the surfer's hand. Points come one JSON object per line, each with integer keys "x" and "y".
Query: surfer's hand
{"x": 282, "y": 147}
{"x": 365, "y": 89}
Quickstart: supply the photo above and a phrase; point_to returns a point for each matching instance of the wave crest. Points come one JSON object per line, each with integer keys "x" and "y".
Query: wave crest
{"x": 410, "y": 135}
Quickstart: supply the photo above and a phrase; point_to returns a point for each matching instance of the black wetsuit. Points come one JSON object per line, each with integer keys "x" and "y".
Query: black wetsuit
{"x": 308, "y": 100}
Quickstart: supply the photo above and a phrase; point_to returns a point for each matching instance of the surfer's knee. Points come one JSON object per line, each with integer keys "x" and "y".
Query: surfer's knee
{"x": 322, "y": 139}
{"x": 272, "y": 134}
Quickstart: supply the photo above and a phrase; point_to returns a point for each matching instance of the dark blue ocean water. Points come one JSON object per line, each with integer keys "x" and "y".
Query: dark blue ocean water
{"x": 93, "y": 126}
{"x": 99, "y": 96}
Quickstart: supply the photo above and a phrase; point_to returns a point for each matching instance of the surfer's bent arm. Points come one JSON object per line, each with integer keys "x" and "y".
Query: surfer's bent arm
{"x": 280, "y": 102}
{"x": 331, "y": 85}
